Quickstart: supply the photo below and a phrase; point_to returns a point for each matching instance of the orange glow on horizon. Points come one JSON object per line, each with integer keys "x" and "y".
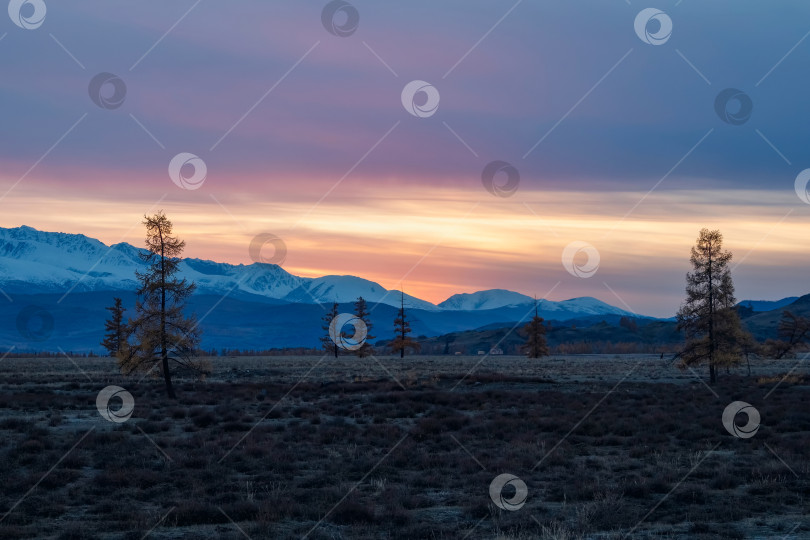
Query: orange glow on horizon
{"x": 462, "y": 241}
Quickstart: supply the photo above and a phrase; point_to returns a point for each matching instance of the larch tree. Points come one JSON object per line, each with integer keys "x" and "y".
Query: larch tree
{"x": 448, "y": 339}
{"x": 730, "y": 336}
{"x": 361, "y": 312}
{"x": 748, "y": 346}
{"x": 793, "y": 330}
{"x": 160, "y": 332}
{"x": 707, "y": 317}
{"x": 402, "y": 328}
{"x": 115, "y": 327}
{"x": 536, "y": 345}
{"x": 329, "y": 344}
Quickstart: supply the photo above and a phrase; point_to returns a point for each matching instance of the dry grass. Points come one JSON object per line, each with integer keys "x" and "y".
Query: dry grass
{"x": 348, "y": 452}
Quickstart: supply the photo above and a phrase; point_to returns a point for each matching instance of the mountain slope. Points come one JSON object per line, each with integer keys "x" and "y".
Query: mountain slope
{"x": 765, "y": 325}
{"x": 500, "y": 298}
{"x": 649, "y": 336}
{"x": 340, "y": 289}
{"x": 33, "y": 261}
{"x": 768, "y": 305}
{"x": 72, "y": 278}
{"x": 490, "y": 299}
{"x": 234, "y": 322}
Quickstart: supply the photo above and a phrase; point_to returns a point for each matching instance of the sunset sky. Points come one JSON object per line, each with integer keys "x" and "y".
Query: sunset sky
{"x": 304, "y": 135}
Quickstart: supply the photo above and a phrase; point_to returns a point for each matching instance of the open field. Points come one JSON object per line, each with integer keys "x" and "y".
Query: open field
{"x": 292, "y": 447}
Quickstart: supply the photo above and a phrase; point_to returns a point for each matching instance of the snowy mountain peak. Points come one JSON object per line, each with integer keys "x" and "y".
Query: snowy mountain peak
{"x": 500, "y": 298}
{"x": 588, "y": 305}
{"x": 38, "y": 261}
{"x": 27, "y": 240}
{"x": 490, "y": 299}
{"x": 33, "y": 261}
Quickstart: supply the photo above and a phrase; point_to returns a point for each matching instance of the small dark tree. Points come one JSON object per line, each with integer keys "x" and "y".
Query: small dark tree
{"x": 328, "y": 343}
{"x": 160, "y": 330}
{"x": 115, "y": 327}
{"x": 748, "y": 346}
{"x": 629, "y": 324}
{"x": 448, "y": 339}
{"x": 536, "y": 345}
{"x": 707, "y": 317}
{"x": 793, "y": 331}
{"x": 402, "y": 328}
{"x": 361, "y": 312}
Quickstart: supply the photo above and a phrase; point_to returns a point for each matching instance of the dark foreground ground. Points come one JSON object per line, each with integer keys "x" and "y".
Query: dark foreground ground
{"x": 608, "y": 447}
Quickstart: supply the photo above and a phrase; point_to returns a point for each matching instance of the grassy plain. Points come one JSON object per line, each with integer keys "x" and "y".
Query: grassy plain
{"x": 291, "y": 447}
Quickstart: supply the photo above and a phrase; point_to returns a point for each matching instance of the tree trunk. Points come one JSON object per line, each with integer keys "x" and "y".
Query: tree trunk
{"x": 164, "y": 353}
{"x": 168, "y": 378}
{"x": 712, "y": 370}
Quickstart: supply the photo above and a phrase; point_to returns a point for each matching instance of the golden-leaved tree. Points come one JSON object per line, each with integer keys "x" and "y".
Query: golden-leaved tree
{"x": 160, "y": 334}
{"x": 707, "y": 317}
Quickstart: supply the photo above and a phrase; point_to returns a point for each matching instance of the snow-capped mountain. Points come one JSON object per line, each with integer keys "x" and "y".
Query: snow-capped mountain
{"x": 45, "y": 262}
{"x": 501, "y": 298}
{"x": 587, "y": 305}
{"x": 37, "y": 262}
{"x": 245, "y": 306}
{"x": 491, "y": 299}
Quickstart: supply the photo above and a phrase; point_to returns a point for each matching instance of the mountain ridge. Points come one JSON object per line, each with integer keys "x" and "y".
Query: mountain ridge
{"x": 256, "y": 306}
{"x": 48, "y": 262}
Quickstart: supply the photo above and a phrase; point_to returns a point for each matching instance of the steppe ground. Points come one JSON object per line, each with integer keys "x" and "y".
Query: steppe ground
{"x": 291, "y": 447}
